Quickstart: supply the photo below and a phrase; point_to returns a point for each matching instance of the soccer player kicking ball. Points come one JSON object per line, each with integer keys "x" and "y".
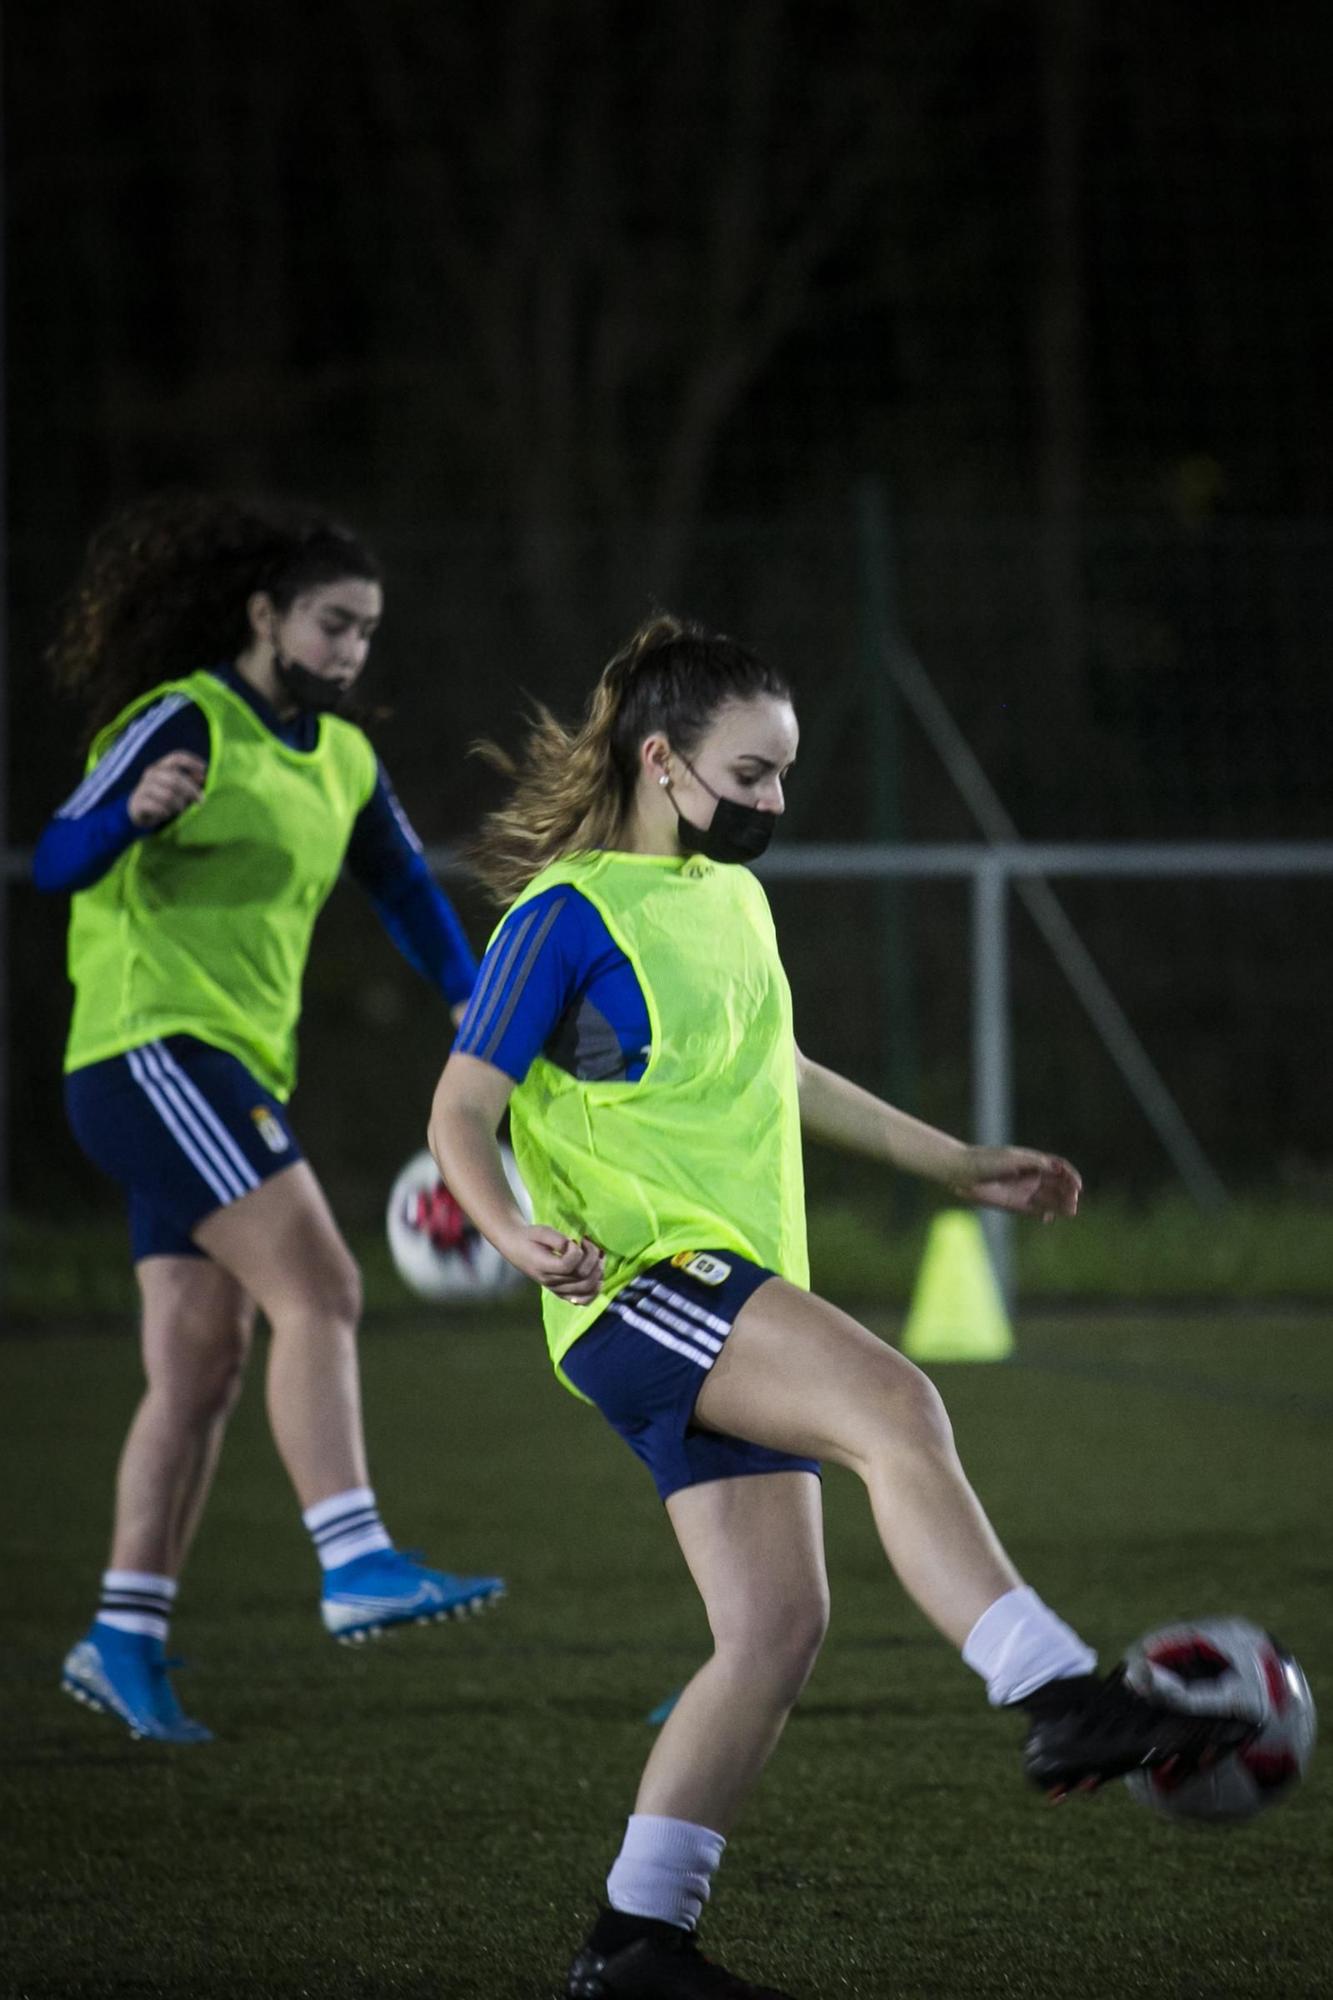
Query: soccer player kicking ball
{"x": 632, "y": 1013}
{"x": 214, "y": 646}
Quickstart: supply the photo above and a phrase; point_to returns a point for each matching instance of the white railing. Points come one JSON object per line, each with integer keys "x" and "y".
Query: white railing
{"x": 994, "y": 871}
{"x": 1028, "y": 869}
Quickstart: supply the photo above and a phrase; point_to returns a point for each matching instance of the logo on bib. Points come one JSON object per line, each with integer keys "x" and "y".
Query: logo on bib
{"x": 698, "y": 1264}
{"x": 268, "y": 1128}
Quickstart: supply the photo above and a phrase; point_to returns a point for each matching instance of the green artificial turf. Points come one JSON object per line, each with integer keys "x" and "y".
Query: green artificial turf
{"x": 434, "y": 1817}
{"x": 1259, "y": 1250}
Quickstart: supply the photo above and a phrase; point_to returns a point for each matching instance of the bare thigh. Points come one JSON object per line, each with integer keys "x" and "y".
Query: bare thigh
{"x": 281, "y": 1243}
{"x": 800, "y": 1375}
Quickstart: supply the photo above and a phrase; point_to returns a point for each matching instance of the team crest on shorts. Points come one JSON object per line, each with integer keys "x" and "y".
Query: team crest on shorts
{"x": 268, "y": 1128}
{"x": 698, "y": 1264}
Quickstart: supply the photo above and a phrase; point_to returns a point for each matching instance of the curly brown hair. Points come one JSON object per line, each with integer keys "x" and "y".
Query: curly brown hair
{"x": 570, "y": 789}
{"x": 164, "y": 586}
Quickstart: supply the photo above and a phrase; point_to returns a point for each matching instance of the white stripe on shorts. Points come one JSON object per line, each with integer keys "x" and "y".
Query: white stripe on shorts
{"x": 656, "y": 1331}
{"x": 650, "y": 1287}
{"x": 103, "y": 774}
{"x": 205, "y": 1162}
{"x": 653, "y": 1309}
{"x": 207, "y": 1116}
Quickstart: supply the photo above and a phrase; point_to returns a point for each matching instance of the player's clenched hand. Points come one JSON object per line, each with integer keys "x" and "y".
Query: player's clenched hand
{"x": 572, "y": 1270}
{"x": 167, "y": 787}
{"x": 1016, "y": 1178}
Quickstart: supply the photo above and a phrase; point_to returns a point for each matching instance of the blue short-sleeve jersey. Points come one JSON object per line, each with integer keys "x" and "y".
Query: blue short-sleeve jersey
{"x": 554, "y": 982}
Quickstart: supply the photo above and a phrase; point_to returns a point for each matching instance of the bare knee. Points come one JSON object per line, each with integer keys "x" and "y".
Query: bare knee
{"x": 195, "y": 1373}
{"x": 327, "y": 1291}
{"x": 339, "y": 1293}
{"x": 777, "y": 1643}
{"x": 799, "y": 1645}
{"x": 229, "y": 1367}
{"x": 920, "y": 1410}
{"x": 901, "y": 1410}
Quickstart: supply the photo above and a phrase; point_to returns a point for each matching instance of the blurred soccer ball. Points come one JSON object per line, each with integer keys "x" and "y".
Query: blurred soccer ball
{"x": 437, "y": 1250}
{"x": 1226, "y": 1666}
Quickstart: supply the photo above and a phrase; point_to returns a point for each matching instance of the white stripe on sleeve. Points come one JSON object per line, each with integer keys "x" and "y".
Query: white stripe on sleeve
{"x": 104, "y": 773}
{"x": 405, "y": 826}
{"x": 490, "y": 989}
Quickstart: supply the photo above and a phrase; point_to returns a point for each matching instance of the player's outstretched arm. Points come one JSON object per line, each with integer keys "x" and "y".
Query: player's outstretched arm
{"x": 469, "y": 1103}
{"x": 1012, "y": 1177}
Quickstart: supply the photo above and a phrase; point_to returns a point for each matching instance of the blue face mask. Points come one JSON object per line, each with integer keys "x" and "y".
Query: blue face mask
{"x": 735, "y": 832}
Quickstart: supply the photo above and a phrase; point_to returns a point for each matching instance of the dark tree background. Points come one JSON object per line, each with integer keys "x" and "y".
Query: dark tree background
{"x": 574, "y": 307}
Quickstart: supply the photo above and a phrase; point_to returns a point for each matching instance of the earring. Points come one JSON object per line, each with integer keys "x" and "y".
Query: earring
{"x": 664, "y": 780}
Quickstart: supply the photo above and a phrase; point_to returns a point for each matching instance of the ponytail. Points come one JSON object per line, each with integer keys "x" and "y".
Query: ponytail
{"x": 571, "y": 789}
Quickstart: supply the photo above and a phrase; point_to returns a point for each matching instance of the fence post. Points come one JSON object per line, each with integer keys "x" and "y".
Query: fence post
{"x": 879, "y": 620}
{"x": 992, "y": 1048}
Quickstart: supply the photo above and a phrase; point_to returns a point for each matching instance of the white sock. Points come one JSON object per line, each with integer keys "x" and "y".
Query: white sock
{"x": 345, "y": 1526}
{"x": 134, "y": 1600}
{"x": 664, "y": 1869}
{"x": 1019, "y": 1644}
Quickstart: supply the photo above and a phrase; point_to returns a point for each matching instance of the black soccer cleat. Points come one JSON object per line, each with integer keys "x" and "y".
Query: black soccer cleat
{"x": 1086, "y": 1731}
{"x": 661, "y": 1962}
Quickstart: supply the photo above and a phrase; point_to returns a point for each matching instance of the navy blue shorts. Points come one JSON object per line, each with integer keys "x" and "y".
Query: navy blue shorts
{"x": 184, "y": 1128}
{"x": 643, "y": 1363}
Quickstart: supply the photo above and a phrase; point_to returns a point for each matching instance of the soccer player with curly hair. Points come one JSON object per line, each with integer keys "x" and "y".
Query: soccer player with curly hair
{"x": 215, "y": 646}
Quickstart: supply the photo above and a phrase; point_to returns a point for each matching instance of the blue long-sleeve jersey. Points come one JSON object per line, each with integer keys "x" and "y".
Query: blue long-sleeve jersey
{"x": 93, "y": 828}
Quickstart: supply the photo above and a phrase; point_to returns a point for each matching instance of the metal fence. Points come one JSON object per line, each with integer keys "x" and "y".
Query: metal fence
{"x": 998, "y": 875}
{"x": 986, "y": 944}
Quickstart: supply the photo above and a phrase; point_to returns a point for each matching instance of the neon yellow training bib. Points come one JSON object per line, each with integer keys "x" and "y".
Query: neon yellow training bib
{"x": 203, "y": 927}
{"x": 704, "y": 1151}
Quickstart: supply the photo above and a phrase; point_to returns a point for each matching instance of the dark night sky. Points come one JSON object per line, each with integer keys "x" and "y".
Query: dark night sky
{"x": 266, "y": 241}
{"x": 576, "y": 306}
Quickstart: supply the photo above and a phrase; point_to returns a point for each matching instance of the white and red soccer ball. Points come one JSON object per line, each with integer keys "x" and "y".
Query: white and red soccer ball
{"x": 1226, "y": 1666}
{"x": 437, "y": 1250}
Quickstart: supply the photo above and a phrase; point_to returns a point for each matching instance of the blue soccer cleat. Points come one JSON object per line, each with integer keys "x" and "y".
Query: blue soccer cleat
{"x": 388, "y": 1587}
{"x": 125, "y": 1674}
{"x": 657, "y": 1716}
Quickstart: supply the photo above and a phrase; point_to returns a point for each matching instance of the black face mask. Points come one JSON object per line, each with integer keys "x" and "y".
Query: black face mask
{"x": 308, "y": 689}
{"x": 735, "y": 832}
